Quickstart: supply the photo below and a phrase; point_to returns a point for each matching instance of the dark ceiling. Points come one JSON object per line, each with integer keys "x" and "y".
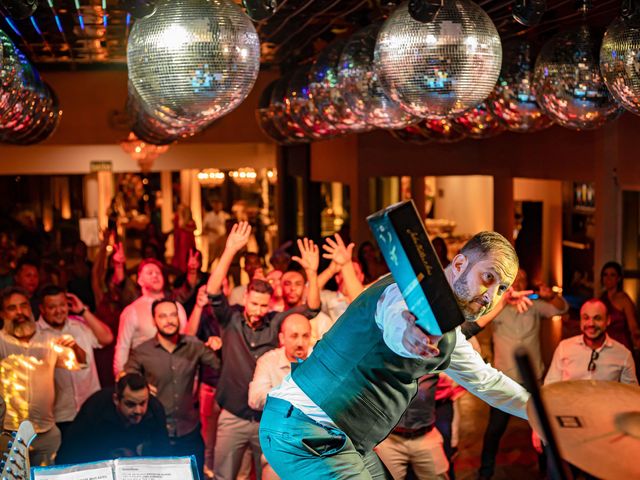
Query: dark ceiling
{"x": 93, "y": 33}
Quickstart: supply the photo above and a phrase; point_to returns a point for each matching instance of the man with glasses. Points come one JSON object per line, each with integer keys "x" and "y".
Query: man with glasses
{"x": 593, "y": 355}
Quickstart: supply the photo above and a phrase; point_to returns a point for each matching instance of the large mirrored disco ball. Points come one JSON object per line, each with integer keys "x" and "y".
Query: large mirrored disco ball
{"x": 568, "y": 84}
{"x": 326, "y": 93}
{"x": 513, "y": 99}
{"x": 440, "y": 68}
{"x": 195, "y": 60}
{"x": 479, "y": 122}
{"x": 360, "y": 86}
{"x": 301, "y": 108}
{"x": 620, "y": 62}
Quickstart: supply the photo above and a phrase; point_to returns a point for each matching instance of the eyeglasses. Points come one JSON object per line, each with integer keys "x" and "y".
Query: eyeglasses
{"x": 592, "y": 361}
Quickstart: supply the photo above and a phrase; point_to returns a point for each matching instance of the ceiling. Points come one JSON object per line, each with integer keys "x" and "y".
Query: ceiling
{"x": 69, "y": 34}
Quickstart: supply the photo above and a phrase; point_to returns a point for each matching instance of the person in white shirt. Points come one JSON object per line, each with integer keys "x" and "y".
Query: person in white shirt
{"x": 28, "y": 359}
{"x": 590, "y": 356}
{"x": 273, "y": 366}
{"x": 136, "y": 320}
{"x": 593, "y": 355}
{"x": 326, "y": 417}
{"x": 63, "y": 313}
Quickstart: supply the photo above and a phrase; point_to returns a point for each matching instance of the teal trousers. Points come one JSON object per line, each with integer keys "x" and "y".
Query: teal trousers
{"x": 298, "y": 448}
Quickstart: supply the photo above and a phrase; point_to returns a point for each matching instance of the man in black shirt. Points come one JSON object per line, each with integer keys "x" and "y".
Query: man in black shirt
{"x": 247, "y": 333}
{"x": 169, "y": 362}
{"x": 125, "y": 423}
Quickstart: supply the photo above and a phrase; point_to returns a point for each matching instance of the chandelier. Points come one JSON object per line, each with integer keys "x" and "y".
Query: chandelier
{"x": 244, "y": 176}
{"x": 211, "y": 177}
{"x": 142, "y": 152}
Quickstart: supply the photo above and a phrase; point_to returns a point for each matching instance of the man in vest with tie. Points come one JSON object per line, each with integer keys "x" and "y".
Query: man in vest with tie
{"x": 326, "y": 417}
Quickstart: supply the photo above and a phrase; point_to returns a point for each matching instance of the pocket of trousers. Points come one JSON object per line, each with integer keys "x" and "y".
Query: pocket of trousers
{"x": 324, "y": 445}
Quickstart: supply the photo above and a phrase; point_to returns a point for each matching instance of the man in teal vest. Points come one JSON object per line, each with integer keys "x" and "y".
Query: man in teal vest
{"x": 326, "y": 417}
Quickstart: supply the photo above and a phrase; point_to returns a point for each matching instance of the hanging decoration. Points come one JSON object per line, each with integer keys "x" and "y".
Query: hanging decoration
{"x": 440, "y": 68}
{"x": 513, "y": 99}
{"x": 360, "y": 86}
{"x": 325, "y": 90}
{"x": 192, "y": 62}
{"x": 142, "y": 152}
{"x": 620, "y": 61}
{"x": 479, "y": 122}
{"x": 211, "y": 177}
{"x": 568, "y": 84}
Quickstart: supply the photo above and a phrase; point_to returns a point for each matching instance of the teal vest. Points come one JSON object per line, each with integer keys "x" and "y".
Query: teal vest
{"x": 357, "y": 380}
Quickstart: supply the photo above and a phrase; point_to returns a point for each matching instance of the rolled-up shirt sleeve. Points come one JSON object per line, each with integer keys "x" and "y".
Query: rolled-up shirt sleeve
{"x": 389, "y": 319}
{"x": 469, "y": 370}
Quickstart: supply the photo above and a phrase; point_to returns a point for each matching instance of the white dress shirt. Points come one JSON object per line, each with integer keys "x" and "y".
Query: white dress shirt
{"x": 137, "y": 326}
{"x": 572, "y": 357}
{"x": 74, "y": 387}
{"x": 466, "y": 366}
{"x": 271, "y": 369}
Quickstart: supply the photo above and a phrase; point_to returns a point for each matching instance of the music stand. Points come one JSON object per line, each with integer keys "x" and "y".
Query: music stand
{"x": 557, "y": 467}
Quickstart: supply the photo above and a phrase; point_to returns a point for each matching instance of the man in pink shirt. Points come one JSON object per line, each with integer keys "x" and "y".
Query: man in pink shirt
{"x": 136, "y": 321}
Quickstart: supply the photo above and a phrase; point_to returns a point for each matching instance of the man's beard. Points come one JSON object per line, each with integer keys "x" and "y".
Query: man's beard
{"x": 464, "y": 298}
{"x": 168, "y": 334}
{"x": 25, "y": 328}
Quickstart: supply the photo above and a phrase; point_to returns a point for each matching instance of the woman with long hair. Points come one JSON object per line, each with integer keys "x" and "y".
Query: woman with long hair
{"x": 622, "y": 311}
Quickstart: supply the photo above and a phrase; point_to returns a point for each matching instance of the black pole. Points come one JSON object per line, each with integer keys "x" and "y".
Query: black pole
{"x": 557, "y": 467}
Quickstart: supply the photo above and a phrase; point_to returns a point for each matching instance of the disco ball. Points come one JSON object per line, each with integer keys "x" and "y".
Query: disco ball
{"x": 620, "y": 63}
{"x": 479, "y": 122}
{"x": 301, "y": 108}
{"x": 264, "y": 116}
{"x": 326, "y": 92}
{"x": 568, "y": 84}
{"x": 441, "y": 130}
{"x": 411, "y": 134}
{"x": 513, "y": 99}
{"x": 193, "y": 60}
{"x": 281, "y": 118}
{"x": 360, "y": 86}
{"x": 440, "y": 68}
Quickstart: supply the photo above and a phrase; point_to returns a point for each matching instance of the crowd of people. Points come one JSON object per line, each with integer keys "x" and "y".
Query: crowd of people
{"x": 110, "y": 359}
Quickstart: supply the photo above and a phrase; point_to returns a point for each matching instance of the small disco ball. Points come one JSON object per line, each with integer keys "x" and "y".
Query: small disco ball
{"x": 568, "y": 84}
{"x": 264, "y": 116}
{"x": 620, "y": 63}
{"x": 301, "y": 108}
{"x": 411, "y": 134}
{"x": 193, "y": 60}
{"x": 479, "y": 122}
{"x": 513, "y": 99}
{"x": 440, "y": 68}
{"x": 360, "y": 86}
{"x": 441, "y": 130}
{"x": 327, "y": 96}
{"x": 280, "y": 115}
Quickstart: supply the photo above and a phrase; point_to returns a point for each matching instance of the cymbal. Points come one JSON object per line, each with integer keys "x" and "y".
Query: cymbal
{"x": 596, "y": 425}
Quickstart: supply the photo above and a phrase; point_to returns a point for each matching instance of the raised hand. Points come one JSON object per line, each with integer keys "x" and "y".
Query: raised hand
{"x": 309, "y": 257}
{"x": 337, "y": 251}
{"x": 193, "y": 262}
{"x": 214, "y": 343}
{"x": 202, "y": 300}
{"x": 518, "y": 299}
{"x": 238, "y": 237}
{"x": 75, "y": 304}
{"x": 118, "y": 257}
